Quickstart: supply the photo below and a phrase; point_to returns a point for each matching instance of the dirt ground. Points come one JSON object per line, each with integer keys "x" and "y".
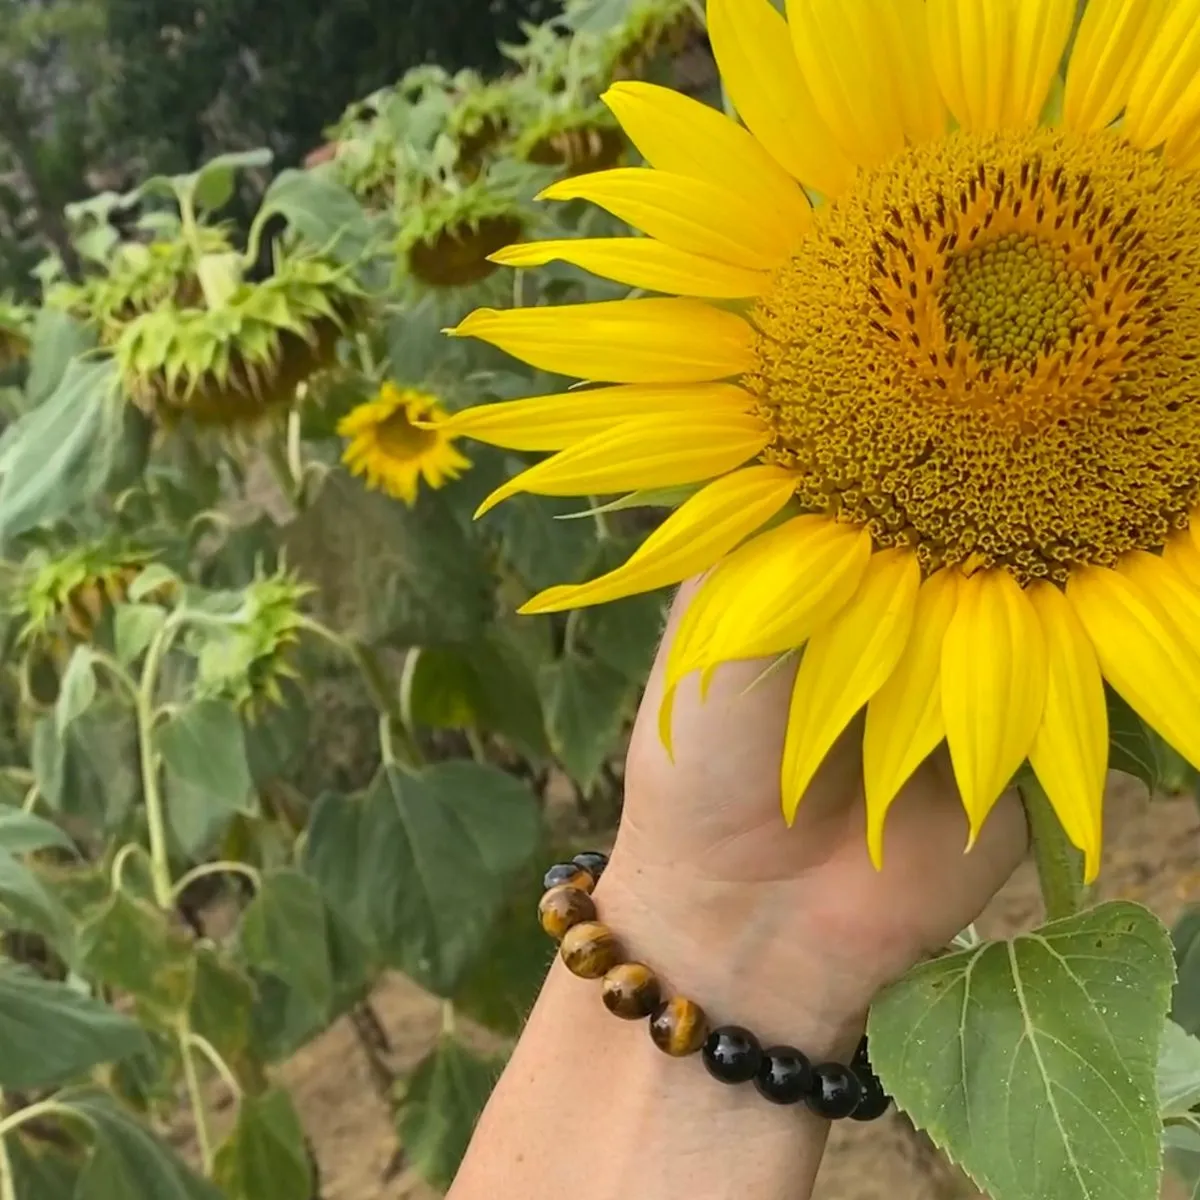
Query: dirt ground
{"x": 1153, "y": 856}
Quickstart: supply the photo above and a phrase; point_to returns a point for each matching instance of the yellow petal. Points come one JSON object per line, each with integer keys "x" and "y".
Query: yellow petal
{"x": 993, "y": 687}
{"x": 690, "y": 214}
{"x": 621, "y": 341}
{"x": 564, "y": 418}
{"x": 867, "y": 67}
{"x": 1142, "y": 652}
{"x": 1112, "y": 41}
{"x": 904, "y": 718}
{"x": 753, "y": 51}
{"x": 1070, "y": 752}
{"x": 1182, "y": 150}
{"x": 845, "y": 664}
{"x": 698, "y": 534}
{"x": 769, "y": 595}
{"x": 1182, "y": 553}
{"x": 675, "y": 133}
{"x": 994, "y": 59}
{"x": 647, "y": 452}
{"x": 641, "y": 263}
{"x": 1172, "y": 588}
{"x": 1166, "y": 88}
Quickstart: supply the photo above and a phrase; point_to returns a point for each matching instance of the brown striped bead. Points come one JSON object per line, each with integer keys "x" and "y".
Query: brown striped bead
{"x": 679, "y": 1027}
{"x": 590, "y": 950}
{"x": 569, "y": 875}
{"x": 632, "y": 991}
{"x": 562, "y": 908}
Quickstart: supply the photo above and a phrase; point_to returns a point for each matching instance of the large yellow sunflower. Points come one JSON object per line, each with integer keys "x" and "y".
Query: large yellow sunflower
{"x": 392, "y": 444}
{"x": 946, "y": 305}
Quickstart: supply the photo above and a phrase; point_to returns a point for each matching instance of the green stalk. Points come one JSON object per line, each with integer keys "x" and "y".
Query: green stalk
{"x": 1059, "y": 864}
{"x": 8, "y": 1182}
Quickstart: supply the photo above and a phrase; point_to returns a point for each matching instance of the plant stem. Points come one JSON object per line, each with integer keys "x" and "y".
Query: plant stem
{"x": 156, "y": 826}
{"x": 8, "y": 1183}
{"x": 218, "y": 1064}
{"x": 1059, "y": 864}
{"x": 195, "y": 1096}
{"x": 43, "y": 1108}
{"x": 223, "y": 867}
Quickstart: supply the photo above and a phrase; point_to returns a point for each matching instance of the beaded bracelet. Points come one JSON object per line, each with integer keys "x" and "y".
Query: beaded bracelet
{"x": 678, "y": 1026}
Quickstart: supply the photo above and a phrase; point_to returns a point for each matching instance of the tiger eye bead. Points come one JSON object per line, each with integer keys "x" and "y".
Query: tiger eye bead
{"x": 631, "y": 991}
{"x": 679, "y": 1027}
{"x": 590, "y": 950}
{"x": 562, "y": 908}
{"x": 569, "y": 875}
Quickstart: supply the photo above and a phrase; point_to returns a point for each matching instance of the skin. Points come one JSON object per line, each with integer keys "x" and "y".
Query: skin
{"x": 787, "y": 932}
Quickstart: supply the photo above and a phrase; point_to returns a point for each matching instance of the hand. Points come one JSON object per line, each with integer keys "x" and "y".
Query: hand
{"x": 771, "y": 927}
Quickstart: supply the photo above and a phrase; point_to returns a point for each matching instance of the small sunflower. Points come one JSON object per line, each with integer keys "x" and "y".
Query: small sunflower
{"x": 954, "y": 360}
{"x": 391, "y": 443}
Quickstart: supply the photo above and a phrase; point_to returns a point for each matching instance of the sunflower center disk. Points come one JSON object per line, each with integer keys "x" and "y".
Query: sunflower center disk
{"x": 985, "y": 351}
{"x": 399, "y": 438}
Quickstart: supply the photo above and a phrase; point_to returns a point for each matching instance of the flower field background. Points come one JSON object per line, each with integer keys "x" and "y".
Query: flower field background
{"x": 279, "y": 766}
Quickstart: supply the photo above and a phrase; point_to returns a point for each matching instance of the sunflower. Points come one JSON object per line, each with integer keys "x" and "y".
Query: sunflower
{"x": 934, "y": 353}
{"x": 391, "y": 443}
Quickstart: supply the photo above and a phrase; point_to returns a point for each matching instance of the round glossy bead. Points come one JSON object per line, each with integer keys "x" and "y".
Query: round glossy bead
{"x": 679, "y": 1027}
{"x": 836, "y": 1092}
{"x": 562, "y": 908}
{"x": 590, "y": 950}
{"x": 875, "y": 1101}
{"x": 785, "y": 1076}
{"x": 632, "y": 991}
{"x": 592, "y": 861}
{"x": 732, "y": 1054}
{"x": 569, "y": 875}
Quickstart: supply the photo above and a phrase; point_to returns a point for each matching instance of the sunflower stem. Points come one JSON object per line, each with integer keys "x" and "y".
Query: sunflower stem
{"x": 1059, "y": 864}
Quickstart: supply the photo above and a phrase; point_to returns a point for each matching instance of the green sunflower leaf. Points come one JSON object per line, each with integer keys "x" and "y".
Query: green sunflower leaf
{"x": 445, "y": 1096}
{"x": 265, "y": 1157}
{"x": 1178, "y": 1072}
{"x": 1032, "y": 1062}
{"x": 1131, "y": 747}
{"x": 587, "y": 704}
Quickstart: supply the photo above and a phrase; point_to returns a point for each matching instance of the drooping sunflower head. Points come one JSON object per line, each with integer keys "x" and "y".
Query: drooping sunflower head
{"x": 395, "y": 443}
{"x": 933, "y": 311}
{"x": 248, "y": 662}
{"x": 652, "y": 30}
{"x": 577, "y": 139}
{"x": 65, "y": 596}
{"x": 239, "y": 351}
{"x": 16, "y": 325}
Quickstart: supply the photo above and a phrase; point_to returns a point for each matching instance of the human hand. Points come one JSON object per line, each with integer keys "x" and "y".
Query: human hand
{"x": 779, "y": 928}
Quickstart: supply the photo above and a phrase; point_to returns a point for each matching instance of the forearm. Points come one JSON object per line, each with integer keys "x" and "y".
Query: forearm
{"x": 588, "y": 1102}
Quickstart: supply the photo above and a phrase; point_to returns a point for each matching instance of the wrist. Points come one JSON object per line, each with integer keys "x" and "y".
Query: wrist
{"x": 745, "y": 955}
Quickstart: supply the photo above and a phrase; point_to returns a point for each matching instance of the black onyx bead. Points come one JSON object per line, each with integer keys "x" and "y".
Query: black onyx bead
{"x": 569, "y": 875}
{"x": 875, "y": 1101}
{"x": 836, "y": 1092}
{"x": 862, "y": 1058}
{"x": 784, "y": 1076}
{"x": 732, "y": 1054}
{"x": 593, "y": 862}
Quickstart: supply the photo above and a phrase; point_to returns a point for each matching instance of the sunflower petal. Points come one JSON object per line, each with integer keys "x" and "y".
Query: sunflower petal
{"x": 1070, "y": 752}
{"x": 1142, "y": 652}
{"x": 675, "y": 133}
{"x": 696, "y": 535}
{"x": 648, "y": 452}
{"x": 750, "y": 43}
{"x": 564, "y": 418}
{"x": 867, "y": 66}
{"x": 904, "y": 718}
{"x": 1182, "y": 150}
{"x": 770, "y": 595}
{"x": 1172, "y": 588}
{"x": 1182, "y": 553}
{"x": 993, "y": 687}
{"x": 1166, "y": 89}
{"x": 994, "y": 62}
{"x": 641, "y": 263}
{"x": 690, "y": 214}
{"x": 621, "y": 341}
{"x": 1112, "y": 41}
{"x": 845, "y": 664}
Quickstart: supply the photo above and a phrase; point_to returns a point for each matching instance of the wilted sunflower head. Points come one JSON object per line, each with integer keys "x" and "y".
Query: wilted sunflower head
{"x": 577, "y": 139}
{"x": 964, "y": 385}
{"x": 247, "y": 662}
{"x": 65, "y": 596}
{"x": 241, "y": 349}
{"x": 446, "y": 240}
{"x": 16, "y": 325}
{"x": 651, "y": 30}
{"x": 391, "y": 443}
